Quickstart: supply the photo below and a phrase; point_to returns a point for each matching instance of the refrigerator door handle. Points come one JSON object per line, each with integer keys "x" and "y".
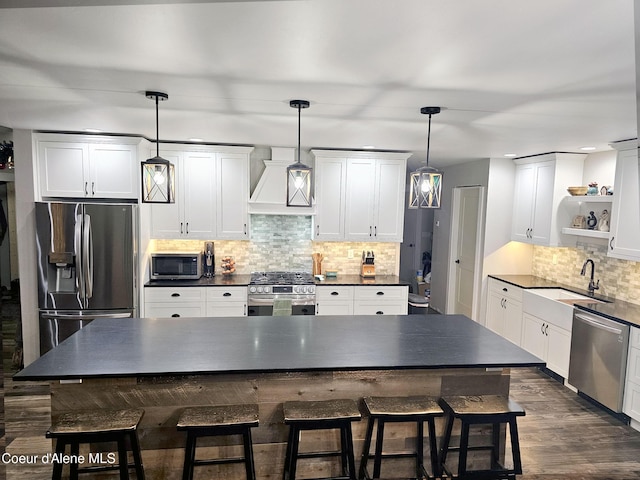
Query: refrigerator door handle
{"x": 87, "y": 248}
{"x": 78, "y": 255}
{"x": 79, "y": 316}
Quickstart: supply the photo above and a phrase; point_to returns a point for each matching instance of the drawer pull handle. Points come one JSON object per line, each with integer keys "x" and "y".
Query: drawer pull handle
{"x": 175, "y": 315}
{"x": 380, "y": 293}
{"x": 335, "y": 293}
{"x": 175, "y": 294}
{"x": 505, "y": 289}
{"x": 226, "y": 294}
{"x": 379, "y": 312}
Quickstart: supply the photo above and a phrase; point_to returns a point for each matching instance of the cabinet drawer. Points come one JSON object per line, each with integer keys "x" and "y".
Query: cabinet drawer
{"x": 379, "y": 308}
{"x": 505, "y": 289}
{"x": 163, "y": 310}
{"x": 341, "y": 307}
{"x": 382, "y": 293}
{"x": 632, "y": 400}
{"x": 227, "y": 309}
{"x": 226, "y": 293}
{"x": 173, "y": 295}
{"x": 634, "y": 340}
{"x": 633, "y": 365}
{"x": 339, "y": 292}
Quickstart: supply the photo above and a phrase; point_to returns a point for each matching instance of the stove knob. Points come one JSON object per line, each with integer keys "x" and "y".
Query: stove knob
{"x": 259, "y": 289}
{"x": 266, "y": 289}
{"x": 311, "y": 289}
{"x": 303, "y": 289}
{"x": 252, "y": 289}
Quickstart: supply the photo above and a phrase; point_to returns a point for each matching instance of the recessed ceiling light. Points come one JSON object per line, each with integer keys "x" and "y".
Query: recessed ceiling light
{"x": 92, "y": 130}
{"x": 369, "y": 147}
{"x": 510, "y": 154}
{"x": 587, "y": 149}
{"x": 196, "y": 140}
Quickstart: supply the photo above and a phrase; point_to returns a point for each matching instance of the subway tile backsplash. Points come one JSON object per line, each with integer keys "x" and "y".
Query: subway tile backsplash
{"x": 618, "y": 278}
{"x": 283, "y": 243}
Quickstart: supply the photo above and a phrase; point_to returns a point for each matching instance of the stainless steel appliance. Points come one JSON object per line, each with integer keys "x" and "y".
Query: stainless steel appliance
{"x": 209, "y": 260}
{"x": 598, "y": 358}
{"x": 176, "y": 266}
{"x": 86, "y": 266}
{"x": 266, "y": 287}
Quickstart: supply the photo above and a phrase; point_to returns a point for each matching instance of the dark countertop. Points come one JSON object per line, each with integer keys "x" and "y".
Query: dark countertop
{"x": 243, "y": 280}
{"x": 623, "y": 312}
{"x": 187, "y": 346}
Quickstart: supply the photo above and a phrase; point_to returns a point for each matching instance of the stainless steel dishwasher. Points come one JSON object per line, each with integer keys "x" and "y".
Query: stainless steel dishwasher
{"x": 598, "y": 358}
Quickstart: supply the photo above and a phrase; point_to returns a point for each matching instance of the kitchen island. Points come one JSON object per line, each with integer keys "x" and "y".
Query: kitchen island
{"x": 163, "y": 365}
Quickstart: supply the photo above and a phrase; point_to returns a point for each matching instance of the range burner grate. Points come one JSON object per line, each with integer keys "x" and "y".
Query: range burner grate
{"x": 281, "y": 278}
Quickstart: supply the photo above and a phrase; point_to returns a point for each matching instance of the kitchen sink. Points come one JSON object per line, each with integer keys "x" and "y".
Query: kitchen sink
{"x": 554, "y": 305}
{"x": 565, "y": 296}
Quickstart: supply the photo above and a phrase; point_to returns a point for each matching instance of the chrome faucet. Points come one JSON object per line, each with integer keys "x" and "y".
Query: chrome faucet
{"x": 592, "y": 286}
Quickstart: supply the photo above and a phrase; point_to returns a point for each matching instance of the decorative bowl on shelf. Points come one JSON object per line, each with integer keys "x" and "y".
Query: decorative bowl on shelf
{"x": 577, "y": 190}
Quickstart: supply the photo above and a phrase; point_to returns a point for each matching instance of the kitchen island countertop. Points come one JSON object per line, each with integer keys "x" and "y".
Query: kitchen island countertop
{"x": 189, "y": 346}
{"x": 618, "y": 310}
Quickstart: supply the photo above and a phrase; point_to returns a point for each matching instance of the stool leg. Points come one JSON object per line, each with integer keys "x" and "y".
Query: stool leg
{"x": 122, "y": 459}
{"x": 73, "y": 467}
{"x": 293, "y": 459}
{"x": 57, "y": 466}
{"x": 515, "y": 447}
{"x": 248, "y": 455}
{"x": 419, "y": 448}
{"x": 189, "y": 456}
{"x": 344, "y": 455}
{"x": 464, "y": 445}
{"x": 495, "y": 451}
{"x": 433, "y": 448}
{"x": 377, "y": 459}
{"x": 350, "y": 456}
{"x": 365, "y": 449}
{"x": 444, "y": 448}
{"x": 137, "y": 456}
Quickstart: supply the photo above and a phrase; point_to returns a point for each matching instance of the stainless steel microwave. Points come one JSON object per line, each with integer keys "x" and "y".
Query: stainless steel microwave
{"x": 176, "y": 266}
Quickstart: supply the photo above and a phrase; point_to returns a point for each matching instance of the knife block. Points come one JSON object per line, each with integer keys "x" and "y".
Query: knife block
{"x": 367, "y": 270}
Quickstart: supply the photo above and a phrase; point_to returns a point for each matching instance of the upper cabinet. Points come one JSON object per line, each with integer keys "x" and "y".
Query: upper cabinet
{"x": 359, "y": 195}
{"x": 625, "y": 212}
{"x": 212, "y": 190}
{"x": 76, "y": 166}
{"x": 541, "y": 184}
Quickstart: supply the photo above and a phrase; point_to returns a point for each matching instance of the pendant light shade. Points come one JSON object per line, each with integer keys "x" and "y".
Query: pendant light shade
{"x": 426, "y": 181}
{"x": 158, "y": 174}
{"x": 298, "y": 174}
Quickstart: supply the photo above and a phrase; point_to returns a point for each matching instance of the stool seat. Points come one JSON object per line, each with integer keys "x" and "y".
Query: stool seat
{"x": 415, "y": 409}
{"x": 320, "y": 415}
{"x": 209, "y": 416}
{"x": 218, "y": 420}
{"x": 472, "y": 410}
{"x": 74, "y": 428}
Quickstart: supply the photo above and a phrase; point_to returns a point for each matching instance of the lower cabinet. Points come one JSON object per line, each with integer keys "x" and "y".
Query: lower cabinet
{"x": 336, "y": 300}
{"x": 504, "y": 310}
{"x": 547, "y": 341}
{"x": 631, "y": 404}
{"x": 195, "y": 302}
{"x": 361, "y": 300}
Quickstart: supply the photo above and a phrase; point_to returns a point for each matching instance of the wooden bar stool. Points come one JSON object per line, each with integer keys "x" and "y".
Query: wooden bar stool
{"x": 482, "y": 410}
{"x": 416, "y": 409}
{"x": 217, "y": 420}
{"x": 320, "y": 415}
{"x": 118, "y": 426}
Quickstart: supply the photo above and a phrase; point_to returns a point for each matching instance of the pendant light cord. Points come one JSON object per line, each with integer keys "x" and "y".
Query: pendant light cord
{"x": 299, "y": 108}
{"x": 158, "y": 130}
{"x": 428, "y": 139}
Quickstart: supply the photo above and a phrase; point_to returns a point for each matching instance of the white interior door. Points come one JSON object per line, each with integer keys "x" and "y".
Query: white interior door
{"x": 464, "y": 265}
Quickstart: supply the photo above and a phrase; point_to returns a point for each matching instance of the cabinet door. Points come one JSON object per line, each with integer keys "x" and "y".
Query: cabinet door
{"x": 534, "y": 339}
{"x": 632, "y": 400}
{"x": 495, "y": 312}
{"x": 114, "y": 171}
{"x": 389, "y": 204}
{"x": 512, "y": 320}
{"x": 359, "y": 199}
{"x": 62, "y": 168}
{"x": 523, "y": 202}
{"x": 625, "y": 220}
{"x": 233, "y": 196}
{"x": 338, "y": 307}
{"x": 199, "y": 195}
{"x": 558, "y": 349}
{"x": 543, "y": 203}
{"x": 166, "y": 219}
{"x": 227, "y": 309}
{"x": 331, "y": 180}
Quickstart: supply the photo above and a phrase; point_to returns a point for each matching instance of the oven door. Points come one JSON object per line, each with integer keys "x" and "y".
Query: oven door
{"x": 264, "y": 306}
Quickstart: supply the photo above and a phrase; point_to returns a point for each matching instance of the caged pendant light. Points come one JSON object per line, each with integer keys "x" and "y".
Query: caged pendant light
{"x": 426, "y": 181}
{"x": 158, "y": 174}
{"x": 298, "y": 174}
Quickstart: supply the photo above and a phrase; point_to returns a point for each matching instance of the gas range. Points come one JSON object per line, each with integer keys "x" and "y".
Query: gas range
{"x": 281, "y": 284}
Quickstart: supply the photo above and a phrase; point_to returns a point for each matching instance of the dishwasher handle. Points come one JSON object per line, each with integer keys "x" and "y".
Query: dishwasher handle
{"x": 593, "y": 322}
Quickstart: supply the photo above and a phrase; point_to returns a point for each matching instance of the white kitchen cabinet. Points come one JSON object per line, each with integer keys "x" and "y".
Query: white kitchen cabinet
{"x": 381, "y": 300}
{"x": 334, "y": 300}
{"x": 504, "y": 310}
{"x": 226, "y": 301}
{"x": 360, "y": 195}
{"x": 73, "y": 166}
{"x": 625, "y": 215}
{"x": 548, "y": 341}
{"x": 540, "y": 186}
{"x": 631, "y": 402}
{"x": 211, "y": 195}
{"x": 174, "y": 302}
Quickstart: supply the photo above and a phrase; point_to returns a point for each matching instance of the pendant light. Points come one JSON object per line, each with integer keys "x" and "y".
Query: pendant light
{"x": 298, "y": 174}
{"x": 426, "y": 181}
{"x": 158, "y": 174}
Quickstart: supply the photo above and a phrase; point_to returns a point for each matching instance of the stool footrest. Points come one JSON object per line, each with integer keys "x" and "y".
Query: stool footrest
{"x": 219, "y": 461}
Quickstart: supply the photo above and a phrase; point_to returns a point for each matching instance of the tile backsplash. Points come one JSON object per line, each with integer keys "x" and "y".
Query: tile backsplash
{"x": 283, "y": 243}
{"x": 618, "y": 278}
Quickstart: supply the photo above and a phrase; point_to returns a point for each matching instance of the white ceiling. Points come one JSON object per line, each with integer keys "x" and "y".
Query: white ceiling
{"x": 512, "y": 76}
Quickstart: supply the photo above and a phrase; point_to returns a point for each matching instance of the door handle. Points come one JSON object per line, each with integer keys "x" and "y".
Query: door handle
{"x": 611, "y": 242}
{"x": 542, "y": 328}
{"x": 375, "y": 231}
{"x": 187, "y": 228}
{"x": 317, "y": 230}
{"x": 181, "y": 230}
{"x": 86, "y": 189}
{"x": 546, "y": 330}
{"x": 457, "y": 261}
{"x": 245, "y": 228}
{"x": 93, "y": 189}
{"x": 369, "y": 230}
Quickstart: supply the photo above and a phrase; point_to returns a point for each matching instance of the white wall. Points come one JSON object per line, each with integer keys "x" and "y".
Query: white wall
{"x": 600, "y": 167}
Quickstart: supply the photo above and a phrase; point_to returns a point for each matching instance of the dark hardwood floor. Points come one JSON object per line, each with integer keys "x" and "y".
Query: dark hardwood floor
{"x": 562, "y": 436}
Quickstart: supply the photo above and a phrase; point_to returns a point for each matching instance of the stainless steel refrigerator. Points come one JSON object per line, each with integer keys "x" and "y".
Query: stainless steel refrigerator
{"x": 86, "y": 266}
